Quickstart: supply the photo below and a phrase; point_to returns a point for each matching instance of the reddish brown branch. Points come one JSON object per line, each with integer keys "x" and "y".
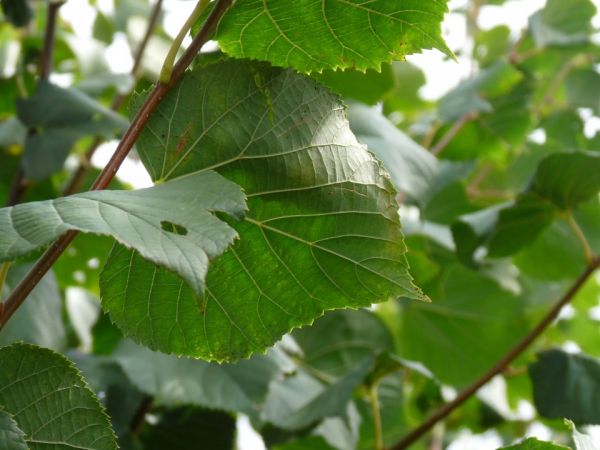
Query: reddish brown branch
{"x": 20, "y": 293}
{"x": 502, "y": 364}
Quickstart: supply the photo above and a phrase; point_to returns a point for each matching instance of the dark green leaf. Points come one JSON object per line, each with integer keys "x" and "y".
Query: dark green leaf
{"x": 50, "y": 401}
{"x": 306, "y": 245}
{"x": 566, "y": 385}
{"x": 337, "y": 342}
{"x": 188, "y": 428}
{"x": 312, "y": 35}
{"x": 19, "y": 12}
{"x": 568, "y": 179}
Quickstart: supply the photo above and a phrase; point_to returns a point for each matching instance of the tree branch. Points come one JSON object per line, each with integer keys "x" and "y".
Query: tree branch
{"x": 84, "y": 165}
{"x": 502, "y": 364}
{"x": 43, "y": 265}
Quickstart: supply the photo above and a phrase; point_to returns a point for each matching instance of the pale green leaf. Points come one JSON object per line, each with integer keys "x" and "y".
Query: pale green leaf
{"x": 11, "y": 436}
{"x": 307, "y": 408}
{"x": 50, "y": 402}
{"x": 322, "y": 231}
{"x": 170, "y": 224}
{"x": 39, "y": 320}
{"x": 57, "y": 118}
{"x": 562, "y": 23}
{"x": 312, "y": 35}
{"x": 582, "y": 441}
{"x": 176, "y": 381}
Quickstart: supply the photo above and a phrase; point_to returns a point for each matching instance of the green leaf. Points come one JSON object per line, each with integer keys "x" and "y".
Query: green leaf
{"x": 534, "y": 444}
{"x": 471, "y": 96}
{"x": 322, "y": 231}
{"x": 568, "y": 179}
{"x": 566, "y": 385}
{"x": 50, "y": 401}
{"x": 368, "y": 87}
{"x": 312, "y": 35}
{"x": 562, "y": 23}
{"x": 176, "y": 381}
{"x": 583, "y": 89}
{"x": 11, "y": 436}
{"x": 19, "y": 12}
{"x": 38, "y": 320}
{"x": 57, "y": 118}
{"x": 461, "y": 334}
{"x": 187, "y": 428}
{"x": 337, "y": 342}
{"x": 170, "y": 224}
{"x": 298, "y": 411}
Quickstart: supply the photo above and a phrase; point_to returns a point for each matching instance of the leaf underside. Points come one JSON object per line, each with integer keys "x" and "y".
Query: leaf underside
{"x": 312, "y": 35}
{"x": 170, "y": 224}
{"x": 322, "y": 231}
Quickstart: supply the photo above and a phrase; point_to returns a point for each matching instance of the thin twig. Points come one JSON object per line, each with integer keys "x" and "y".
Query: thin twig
{"x": 587, "y": 249}
{"x": 502, "y": 364}
{"x": 20, "y": 293}
{"x": 20, "y": 183}
{"x": 376, "y": 411}
{"x": 451, "y": 133}
{"x": 137, "y": 422}
{"x": 3, "y": 273}
{"x": 85, "y": 162}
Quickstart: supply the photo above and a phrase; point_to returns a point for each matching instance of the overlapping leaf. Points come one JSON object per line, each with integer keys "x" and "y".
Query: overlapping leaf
{"x": 50, "y": 402}
{"x": 11, "y": 436}
{"x": 322, "y": 230}
{"x": 170, "y": 224}
{"x": 312, "y": 35}
{"x": 566, "y": 385}
{"x": 57, "y": 118}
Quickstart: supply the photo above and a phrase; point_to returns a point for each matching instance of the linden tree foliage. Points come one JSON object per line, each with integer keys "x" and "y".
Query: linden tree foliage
{"x": 314, "y": 236}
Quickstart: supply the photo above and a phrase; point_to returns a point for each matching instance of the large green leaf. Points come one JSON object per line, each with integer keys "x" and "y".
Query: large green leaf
{"x": 11, "y": 436}
{"x": 566, "y": 385}
{"x": 312, "y": 35}
{"x": 170, "y": 224}
{"x": 50, "y": 402}
{"x": 57, "y": 118}
{"x": 322, "y": 231}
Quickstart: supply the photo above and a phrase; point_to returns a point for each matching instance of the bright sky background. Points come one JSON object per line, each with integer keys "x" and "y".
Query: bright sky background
{"x": 441, "y": 73}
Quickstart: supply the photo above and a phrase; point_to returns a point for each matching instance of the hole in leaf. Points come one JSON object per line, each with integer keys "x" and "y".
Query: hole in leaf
{"x": 173, "y": 228}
